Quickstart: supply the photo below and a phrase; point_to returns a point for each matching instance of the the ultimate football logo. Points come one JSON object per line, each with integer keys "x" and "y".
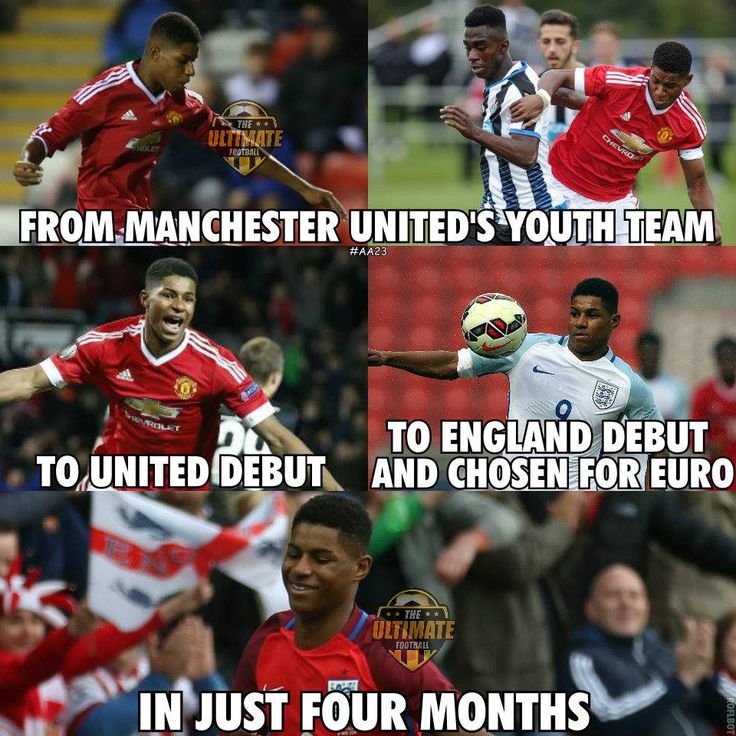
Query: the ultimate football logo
{"x": 413, "y": 626}
{"x": 244, "y": 135}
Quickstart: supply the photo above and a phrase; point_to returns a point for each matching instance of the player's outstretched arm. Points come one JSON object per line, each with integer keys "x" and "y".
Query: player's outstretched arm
{"x": 440, "y": 364}
{"x": 314, "y": 195}
{"x": 530, "y": 107}
{"x": 699, "y": 191}
{"x": 520, "y": 150}
{"x": 19, "y": 384}
{"x": 283, "y": 441}
{"x": 28, "y": 170}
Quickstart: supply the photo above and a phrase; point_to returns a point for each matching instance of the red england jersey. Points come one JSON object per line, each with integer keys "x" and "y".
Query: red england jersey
{"x": 715, "y": 402}
{"x": 351, "y": 661}
{"x": 124, "y": 128}
{"x": 159, "y": 406}
{"x": 619, "y": 130}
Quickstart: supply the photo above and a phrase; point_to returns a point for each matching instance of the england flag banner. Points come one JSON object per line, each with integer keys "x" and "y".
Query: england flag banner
{"x": 142, "y": 552}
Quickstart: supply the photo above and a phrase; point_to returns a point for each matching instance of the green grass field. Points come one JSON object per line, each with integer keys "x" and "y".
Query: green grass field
{"x": 430, "y": 175}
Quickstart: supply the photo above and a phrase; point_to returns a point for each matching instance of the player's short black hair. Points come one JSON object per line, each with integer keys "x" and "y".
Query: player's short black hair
{"x": 560, "y": 18}
{"x": 175, "y": 29}
{"x": 261, "y": 357}
{"x": 601, "y": 288}
{"x": 8, "y": 527}
{"x": 164, "y": 267}
{"x": 649, "y": 338}
{"x": 338, "y": 511}
{"x": 725, "y": 343}
{"x": 486, "y": 15}
{"x": 673, "y": 57}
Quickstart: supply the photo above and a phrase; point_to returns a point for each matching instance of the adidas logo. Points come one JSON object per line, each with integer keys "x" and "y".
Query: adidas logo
{"x": 125, "y": 375}
{"x": 130, "y": 115}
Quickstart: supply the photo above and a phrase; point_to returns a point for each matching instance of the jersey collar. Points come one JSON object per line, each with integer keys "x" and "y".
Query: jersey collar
{"x": 138, "y": 82}
{"x": 652, "y": 107}
{"x": 166, "y": 357}
{"x": 517, "y": 68}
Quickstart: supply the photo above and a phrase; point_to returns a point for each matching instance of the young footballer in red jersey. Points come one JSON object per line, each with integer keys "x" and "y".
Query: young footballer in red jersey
{"x": 164, "y": 381}
{"x": 630, "y": 115}
{"x": 324, "y": 642}
{"x": 125, "y": 118}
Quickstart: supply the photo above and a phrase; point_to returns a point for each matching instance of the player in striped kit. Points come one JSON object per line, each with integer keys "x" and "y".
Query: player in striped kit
{"x": 559, "y": 44}
{"x": 513, "y": 165}
{"x": 631, "y": 115}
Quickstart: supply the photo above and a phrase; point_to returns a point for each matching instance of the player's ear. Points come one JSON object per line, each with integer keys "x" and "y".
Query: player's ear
{"x": 689, "y": 79}
{"x": 615, "y": 321}
{"x": 575, "y": 46}
{"x": 503, "y": 47}
{"x": 363, "y": 567}
{"x": 144, "y": 296}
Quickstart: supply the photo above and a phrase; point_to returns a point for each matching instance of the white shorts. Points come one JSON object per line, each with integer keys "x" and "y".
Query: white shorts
{"x": 577, "y": 201}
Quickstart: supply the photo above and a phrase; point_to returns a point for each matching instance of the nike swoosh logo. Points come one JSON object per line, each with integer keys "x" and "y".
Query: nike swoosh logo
{"x": 537, "y": 369}
{"x": 486, "y": 349}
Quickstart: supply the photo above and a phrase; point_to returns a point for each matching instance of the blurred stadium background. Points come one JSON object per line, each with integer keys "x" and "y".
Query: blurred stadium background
{"x": 311, "y": 301}
{"x": 417, "y": 64}
{"x": 688, "y": 296}
{"x": 304, "y": 60}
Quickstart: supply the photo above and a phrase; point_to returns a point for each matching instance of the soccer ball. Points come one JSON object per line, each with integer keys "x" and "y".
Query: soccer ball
{"x": 494, "y": 325}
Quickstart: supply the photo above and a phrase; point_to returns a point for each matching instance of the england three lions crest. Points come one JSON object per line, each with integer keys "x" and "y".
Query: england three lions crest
{"x": 604, "y": 394}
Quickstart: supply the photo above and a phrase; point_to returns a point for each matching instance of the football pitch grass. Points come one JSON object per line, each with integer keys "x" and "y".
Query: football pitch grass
{"x": 430, "y": 176}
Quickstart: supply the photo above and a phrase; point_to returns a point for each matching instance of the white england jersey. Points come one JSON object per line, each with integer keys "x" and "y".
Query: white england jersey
{"x": 547, "y": 382}
{"x": 505, "y": 185}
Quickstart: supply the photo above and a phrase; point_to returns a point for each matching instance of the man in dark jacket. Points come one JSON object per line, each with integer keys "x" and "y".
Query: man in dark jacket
{"x": 638, "y": 684}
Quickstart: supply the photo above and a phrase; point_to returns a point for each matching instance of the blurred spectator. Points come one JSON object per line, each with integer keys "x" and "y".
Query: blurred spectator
{"x": 253, "y": 83}
{"x": 720, "y": 85}
{"x": 522, "y": 25}
{"x": 68, "y": 275}
{"x": 9, "y": 546}
{"x": 714, "y": 401}
{"x": 391, "y": 62}
{"x": 637, "y": 683}
{"x": 289, "y": 45}
{"x": 429, "y": 54}
{"x": 719, "y": 690}
{"x": 679, "y": 590}
{"x": 315, "y": 99}
{"x": 126, "y": 38}
{"x": 605, "y": 44}
{"x": 670, "y": 393}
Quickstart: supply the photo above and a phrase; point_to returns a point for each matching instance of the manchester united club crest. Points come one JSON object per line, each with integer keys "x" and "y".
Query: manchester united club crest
{"x": 604, "y": 394}
{"x": 174, "y": 118}
{"x": 185, "y": 387}
{"x": 665, "y": 135}
{"x": 413, "y": 626}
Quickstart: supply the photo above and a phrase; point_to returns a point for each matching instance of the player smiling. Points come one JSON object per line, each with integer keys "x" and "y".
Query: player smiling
{"x": 631, "y": 115}
{"x": 125, "y": 118}
{"x": 553, "y": 377}
{"x": 163, "y": 380}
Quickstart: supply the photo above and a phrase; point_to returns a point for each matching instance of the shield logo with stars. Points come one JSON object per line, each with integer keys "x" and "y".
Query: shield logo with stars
{"x": 413, "y": 626}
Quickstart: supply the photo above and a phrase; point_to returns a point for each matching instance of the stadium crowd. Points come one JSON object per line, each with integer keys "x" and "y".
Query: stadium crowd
{"x": 312, "y": 303}
{"x": 566, "y": 591}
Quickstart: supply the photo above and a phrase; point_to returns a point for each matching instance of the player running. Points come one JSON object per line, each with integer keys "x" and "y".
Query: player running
{"x": 513, "y": 166}
{"x": 559, "y": 44}
{"x": 125, "y": 118}
{"x": 164, "y": 382}
{"x": 553, "y": 377}
{"x": 631, "y": 114}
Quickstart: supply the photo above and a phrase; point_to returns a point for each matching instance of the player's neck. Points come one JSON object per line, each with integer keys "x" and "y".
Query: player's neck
{"x": 597, "y": 355}
{"x": 312, "y": 632}
{"x": 502, "y": 69}
{"x": 145, "y": 75}
{"x": 159, "y": 347}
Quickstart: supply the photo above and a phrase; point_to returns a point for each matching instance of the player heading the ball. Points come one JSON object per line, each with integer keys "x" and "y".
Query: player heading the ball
{"x": 163, "y": 380}
{"x": 125, "y": 118}
{"x": 631, "y": 115}
{"x": 552, "y": 377}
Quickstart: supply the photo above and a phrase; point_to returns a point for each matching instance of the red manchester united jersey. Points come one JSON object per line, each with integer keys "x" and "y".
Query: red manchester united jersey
{"x": 619, "y": 130}
{"x": 351, "y": 661}
{"x": 159, "y": 406}
{"x": 124, "y": 129}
